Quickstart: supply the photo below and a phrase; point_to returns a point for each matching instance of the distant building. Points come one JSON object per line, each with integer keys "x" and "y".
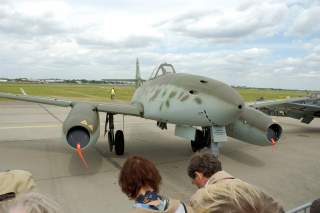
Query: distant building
{"x": 3, "y": 80}
{"x": 53, "y": 80}
{"x": 118, "y": 81}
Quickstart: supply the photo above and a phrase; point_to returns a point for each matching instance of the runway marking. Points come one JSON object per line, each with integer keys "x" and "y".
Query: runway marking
{"x": 26, "y": 127}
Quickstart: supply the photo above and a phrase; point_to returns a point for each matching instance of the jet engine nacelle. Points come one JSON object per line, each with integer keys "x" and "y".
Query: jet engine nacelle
{"x": 82, "y": 126}
{"x": 255, "y": 127}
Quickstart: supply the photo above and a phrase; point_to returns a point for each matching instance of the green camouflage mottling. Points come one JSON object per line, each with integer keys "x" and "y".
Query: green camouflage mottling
{"x": 188, "y": 99}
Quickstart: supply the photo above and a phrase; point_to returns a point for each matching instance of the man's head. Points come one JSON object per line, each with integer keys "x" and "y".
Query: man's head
{"x": 202, "y": 166}
{"x": 315, "y": 206}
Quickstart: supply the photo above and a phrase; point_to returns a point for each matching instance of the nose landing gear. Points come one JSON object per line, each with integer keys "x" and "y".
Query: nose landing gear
{"x": 202, "y": 139}
{"x": 211, "y": 137}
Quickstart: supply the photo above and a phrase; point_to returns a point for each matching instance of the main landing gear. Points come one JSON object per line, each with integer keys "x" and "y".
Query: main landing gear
{"x": 114, "y": 140}
{"x": 205, "y": 138}
{"x": 202, "y": 139}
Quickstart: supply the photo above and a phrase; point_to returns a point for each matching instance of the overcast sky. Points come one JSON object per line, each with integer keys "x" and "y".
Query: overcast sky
{"x": 267, "y": 43}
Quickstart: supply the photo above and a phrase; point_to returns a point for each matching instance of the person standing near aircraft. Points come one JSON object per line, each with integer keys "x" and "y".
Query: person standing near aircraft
{"x": 220, "y": 192}
{"x": 139, "y": 179}
{"x": 112, "y": 94}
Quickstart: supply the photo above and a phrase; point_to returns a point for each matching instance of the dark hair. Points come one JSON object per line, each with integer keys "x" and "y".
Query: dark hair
{"x": 138, "y": 172}
{"x": 204, "y": 162}
{"x": 315, "y": 206}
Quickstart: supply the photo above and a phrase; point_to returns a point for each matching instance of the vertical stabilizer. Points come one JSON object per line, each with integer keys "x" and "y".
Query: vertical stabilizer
{"x": 138, "y": 76}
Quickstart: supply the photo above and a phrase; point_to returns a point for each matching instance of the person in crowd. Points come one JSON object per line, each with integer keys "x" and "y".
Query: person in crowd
{"x": 140, "y": 180}
{"x": 220, "y": 192}
{"x": 235, "y": 197}
{"x": 33, "y": 202}
{"x": 315, "y": 206}
{"x": 13, "y": 183}
{"x": 204, "y": 168}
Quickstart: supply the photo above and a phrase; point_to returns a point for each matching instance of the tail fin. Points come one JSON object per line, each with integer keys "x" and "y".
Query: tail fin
{"x": 138, "y": 76}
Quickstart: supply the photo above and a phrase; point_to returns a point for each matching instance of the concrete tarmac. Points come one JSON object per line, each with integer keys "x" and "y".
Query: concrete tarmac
{"x": 31, "y": 139}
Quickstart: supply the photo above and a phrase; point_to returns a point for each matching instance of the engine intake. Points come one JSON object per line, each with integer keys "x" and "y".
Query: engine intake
{"x": 274, "y": 132}
{"x": 82, "y": 126}
{"x": 78, "y": 135}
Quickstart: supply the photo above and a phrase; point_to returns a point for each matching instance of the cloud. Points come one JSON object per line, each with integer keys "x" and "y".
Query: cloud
{"x": 133, "y": 41}
{"x": 22, "y": 24}
{"x": 230, "y": 25}
{"x": 253, "y": 43}
{"x": 307, "y": 22}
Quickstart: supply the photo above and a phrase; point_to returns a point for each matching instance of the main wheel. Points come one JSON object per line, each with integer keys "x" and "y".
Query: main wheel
{"x": 198, "y": 143}
{"x": 194, "y": 146}
{"x": 110, "y": 141}
{"x": 119, "y": 142}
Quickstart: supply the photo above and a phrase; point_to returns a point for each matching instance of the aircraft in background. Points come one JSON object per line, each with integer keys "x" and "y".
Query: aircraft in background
{"x": 304, "y": 109}
{"x": 204, "y": 111}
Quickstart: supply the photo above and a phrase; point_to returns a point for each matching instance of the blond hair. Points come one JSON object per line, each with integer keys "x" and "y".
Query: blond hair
{"x": 34, "y": 203}
{"x": 235, "y": 197}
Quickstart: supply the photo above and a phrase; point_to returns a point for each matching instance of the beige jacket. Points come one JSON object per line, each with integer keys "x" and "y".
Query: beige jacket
{"x": 173, "y": 206}
{"x": 222, "y": 193}
{"x": 219, "y": 177}
{"x": 16, "y": 181}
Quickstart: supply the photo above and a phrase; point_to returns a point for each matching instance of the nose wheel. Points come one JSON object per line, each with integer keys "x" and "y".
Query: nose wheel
{"x": 115, "y": 141}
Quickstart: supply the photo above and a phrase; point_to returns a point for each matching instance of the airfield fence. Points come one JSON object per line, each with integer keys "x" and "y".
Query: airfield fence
{"x": 305, "y": 208}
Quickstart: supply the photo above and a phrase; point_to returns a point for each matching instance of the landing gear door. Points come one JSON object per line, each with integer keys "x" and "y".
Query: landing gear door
{"x": 218, "y": 134}
{"x": 186, "y": 132}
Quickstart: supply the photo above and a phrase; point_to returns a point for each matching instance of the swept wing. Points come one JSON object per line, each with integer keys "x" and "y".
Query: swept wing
{"x": 305, "y": 108}
{"x": 115, "y": 108}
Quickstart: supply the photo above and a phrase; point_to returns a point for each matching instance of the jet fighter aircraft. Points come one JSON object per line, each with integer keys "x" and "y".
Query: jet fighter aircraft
{"x": 304, "y": 109}
{"x": 204, "y": 111}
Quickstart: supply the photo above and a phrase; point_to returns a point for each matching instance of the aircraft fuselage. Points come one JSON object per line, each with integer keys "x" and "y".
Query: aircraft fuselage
{"x": 186, "y": 99}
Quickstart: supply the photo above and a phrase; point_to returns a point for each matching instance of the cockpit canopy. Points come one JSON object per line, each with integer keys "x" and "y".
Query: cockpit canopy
{"x": 162, "y": 69}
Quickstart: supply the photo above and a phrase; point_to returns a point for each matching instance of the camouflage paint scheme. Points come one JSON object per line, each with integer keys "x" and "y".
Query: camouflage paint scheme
{"x": 189, "y": 100}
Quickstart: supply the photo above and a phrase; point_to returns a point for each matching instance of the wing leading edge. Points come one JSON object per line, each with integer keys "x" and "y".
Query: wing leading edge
{"x": 115, "y": 108}
{"x": 37, "y": 99}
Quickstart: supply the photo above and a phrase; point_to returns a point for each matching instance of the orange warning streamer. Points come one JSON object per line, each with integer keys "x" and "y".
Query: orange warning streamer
{"x": 79, "y": 152}
{"x": 273, "y": 142}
